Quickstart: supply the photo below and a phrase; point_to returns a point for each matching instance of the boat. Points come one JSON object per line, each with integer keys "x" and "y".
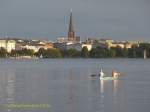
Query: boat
{"x": 41, "y": 56}
{"x": 104, "y": 77}
{"x": 108, "y": 78}
{"x": 94, "y": 75}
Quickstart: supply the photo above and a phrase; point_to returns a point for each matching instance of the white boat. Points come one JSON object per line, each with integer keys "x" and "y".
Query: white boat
{"x": 41, "y": 56}
{"x": 108, "y": 78}
{"x": 104, "y": 77}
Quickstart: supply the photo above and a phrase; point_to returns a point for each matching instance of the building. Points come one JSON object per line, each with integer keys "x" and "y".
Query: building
{"x": 120, "y": 44}
{"x": 89, "y": 46}
{"x": 35, "y": 46}
{"x": 9, "y": 45}
{"x": 72, "y": 41}
{"x": 62, "y": 40}
{"x": 76, "y": 46}
{"x": 71, "y": 32}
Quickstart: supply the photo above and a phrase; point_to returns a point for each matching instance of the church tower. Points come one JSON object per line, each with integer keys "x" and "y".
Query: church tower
{"x": 71, "y": 32}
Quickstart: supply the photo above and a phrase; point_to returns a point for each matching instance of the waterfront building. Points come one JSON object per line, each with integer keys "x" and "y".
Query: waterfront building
{"x": 61, "y": 46}
{"x": 99, "y": 43}
{"x": 9, "y": 45}
{"x": 35, "y": 46}
{"x": 31, "y": 47}
{"x": 76, "y": 46}
{"x": 72, "y": 41}
{"x": 62, "y": 40}
{"x": 67, "y": 46}
{"x": 89, "y": 46}
{"x": 120, "y": 44}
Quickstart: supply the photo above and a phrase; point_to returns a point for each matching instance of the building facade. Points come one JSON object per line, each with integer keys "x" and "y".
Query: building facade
{"x": 9, "y": 45}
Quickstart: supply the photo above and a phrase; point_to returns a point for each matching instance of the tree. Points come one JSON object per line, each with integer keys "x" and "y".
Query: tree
{"x": 49, "y": 53}
{"x": 42, "y": 52}
{"x": 3, "y": 52}
{"x": 93, "y": 53}
{"x": 112, "y": 53}
{"x": 85, "y": 52}
{"x": 53, "y": 53}
{"x": 13, "y": 53}
{"x": 99, "y": 52}
{"x": 72, "y": 53}
{"x": 125, "y": 52}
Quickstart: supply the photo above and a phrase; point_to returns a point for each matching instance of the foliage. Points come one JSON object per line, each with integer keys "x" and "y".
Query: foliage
{"x": 23, "y": 52}
{"x": 49, "y": 53}
{"x": 53, "y": 53}
{"x": 72, "y": 53}
{"x": 3, "y": 52}
{"x": 85, "y": 52}
{"x": 99, "y": 53}
{"x": 135, "y": 52}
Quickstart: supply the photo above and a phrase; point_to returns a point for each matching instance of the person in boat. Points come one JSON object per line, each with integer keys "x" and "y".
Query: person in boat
{"x": 115, "y": 74}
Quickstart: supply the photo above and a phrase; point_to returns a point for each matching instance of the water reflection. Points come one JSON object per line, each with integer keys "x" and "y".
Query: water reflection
{"x": 7, "y": 88}
{"x": 113, "y": 96}
{"x": 115, "y": 87}
{"x": 71, "y": 92}
{"x": 68, "y": 87}
{"x": 102, "y": 84}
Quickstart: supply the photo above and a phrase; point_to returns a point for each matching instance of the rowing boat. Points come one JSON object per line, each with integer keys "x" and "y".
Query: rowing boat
{"x": 108, "y": 78}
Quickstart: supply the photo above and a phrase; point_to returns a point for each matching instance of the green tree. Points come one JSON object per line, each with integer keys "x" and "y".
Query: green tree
{"x": 84, "y": 52}
{"x": 119, "y": 51}
{"x": 94, "y": 53}
{"x": 53, "y": 53}
{"x": 3, "y": 52}
{"x": 42, "y": 52}
{"x": 112, "y": 53}
{"x": 99, "y": 53}
{"x": 72, "y": 53}
{"x": 125, "y": 52}
{"x": 13, "y": 53}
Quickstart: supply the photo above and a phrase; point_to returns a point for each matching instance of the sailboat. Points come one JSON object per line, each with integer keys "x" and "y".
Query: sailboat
{"x": 41, "y": 56}
{"x": 104, "y": 77}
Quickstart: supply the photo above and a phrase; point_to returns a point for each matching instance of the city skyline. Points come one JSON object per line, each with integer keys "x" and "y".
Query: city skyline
{"x": 43, "y": 20}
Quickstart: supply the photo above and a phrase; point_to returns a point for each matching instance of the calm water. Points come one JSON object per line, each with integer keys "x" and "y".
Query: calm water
{"x": 66, "y": 85}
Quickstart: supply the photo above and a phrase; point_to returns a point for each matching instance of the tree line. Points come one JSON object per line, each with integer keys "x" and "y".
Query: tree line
{"x": 135, "y": 52}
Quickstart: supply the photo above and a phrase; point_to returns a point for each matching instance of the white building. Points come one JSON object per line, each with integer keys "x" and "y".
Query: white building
{"x": 8, "y": 44}
{"x": 31, "y": 47}
{"x": 62, "y": 40}
{"x": 120, "y": 44}
{"x": 34, "y": 47}
{"x": 89, "y": 46}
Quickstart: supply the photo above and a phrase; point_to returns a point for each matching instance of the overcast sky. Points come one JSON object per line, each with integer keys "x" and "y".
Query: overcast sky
{"x": 48, "y": 19}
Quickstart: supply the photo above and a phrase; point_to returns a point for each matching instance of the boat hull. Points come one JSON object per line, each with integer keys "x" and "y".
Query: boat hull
{"x": 108, "y": 78}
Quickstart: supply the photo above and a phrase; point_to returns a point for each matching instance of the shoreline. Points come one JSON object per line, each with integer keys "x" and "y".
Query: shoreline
{"x": 30, "y": 58}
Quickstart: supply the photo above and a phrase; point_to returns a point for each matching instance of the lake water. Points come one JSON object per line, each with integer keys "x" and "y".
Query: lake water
{"x": 66, "y": 86}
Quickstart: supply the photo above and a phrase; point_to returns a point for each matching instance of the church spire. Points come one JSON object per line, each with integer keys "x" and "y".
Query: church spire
{"x": 71, "y": 33}
{"x": 71, "y": 27}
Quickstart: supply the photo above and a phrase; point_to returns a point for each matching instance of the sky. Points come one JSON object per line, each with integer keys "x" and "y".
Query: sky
{"x": 49, "y": 19}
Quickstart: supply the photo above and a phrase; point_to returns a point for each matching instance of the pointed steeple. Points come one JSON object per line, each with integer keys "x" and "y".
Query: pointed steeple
{"x": 71, "y": 26}
{"x": 71, "y": 33}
